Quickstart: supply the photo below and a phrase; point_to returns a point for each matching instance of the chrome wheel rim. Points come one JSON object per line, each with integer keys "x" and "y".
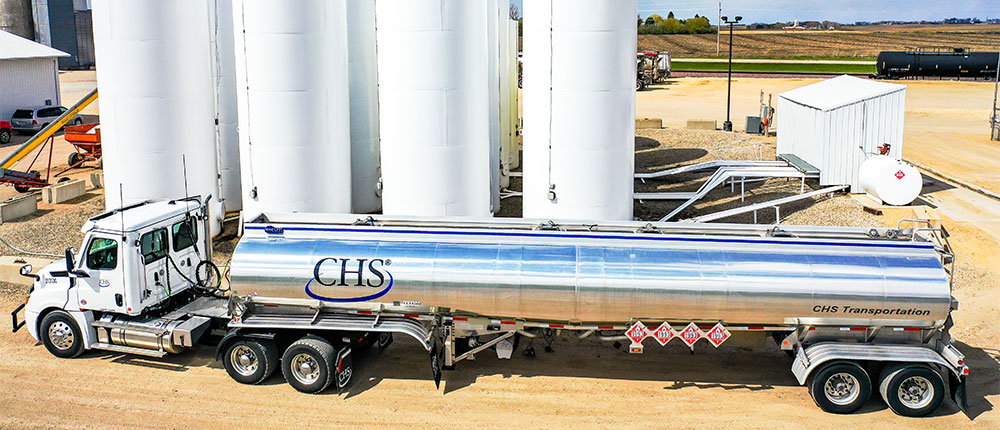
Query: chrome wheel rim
{"x": 915, "y": 392}
{"x": 244, "y": 360}
{"x": 842, "y": 389}
{"x": 61, "y": 335}
{"x": 305, "y": 369}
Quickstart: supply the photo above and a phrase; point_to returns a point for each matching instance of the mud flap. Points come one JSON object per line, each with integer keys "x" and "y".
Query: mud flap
{"x": 958, "y": 393}
{"x": 436, "y": 364}
{"x": 384, "y": 340}
{"x": 345, "y": 369}
{"x": 13, "y": 316}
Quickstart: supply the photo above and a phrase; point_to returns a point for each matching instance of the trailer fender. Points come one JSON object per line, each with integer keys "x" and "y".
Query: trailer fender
{"x": 234, "y": 334}
{"x": 808, "y": 359}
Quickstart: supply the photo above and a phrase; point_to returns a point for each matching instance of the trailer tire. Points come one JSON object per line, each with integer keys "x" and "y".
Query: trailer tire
{"x": 74, "y": 157}
{"x": 840, "y": 387}
{"x": 251, "y": 361}
{"x": 4, "y": 135}
{"x": 911, "y": 390}
{"x": 60, "y": 334}
{"x": 308, "y": 364}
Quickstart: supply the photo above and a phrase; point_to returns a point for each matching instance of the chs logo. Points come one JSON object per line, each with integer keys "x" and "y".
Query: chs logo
{"x": 348, "y": 272}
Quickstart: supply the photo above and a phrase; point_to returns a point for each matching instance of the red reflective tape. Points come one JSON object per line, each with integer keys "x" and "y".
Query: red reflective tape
{"x": 859, "y": 328}
{"x": 460, "y": 319}
{"x": 556, "y": 326}
{"x": 365, "y": 312}
{"x": 270, "y": 306}
{"x": 911, "y": 329}
{"x": 705, "y": 328}
{"x": 605, "y": 327}
{"x": 411, "y": 315}
{"x": 812, "y": 328}
{"x": 755, "y": 328}
{"x": 507, "y": 322}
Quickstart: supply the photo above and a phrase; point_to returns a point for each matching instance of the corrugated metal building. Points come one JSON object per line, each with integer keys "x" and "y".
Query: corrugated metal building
{"x": 836, "y": 124}
{"x": 66, "y": 25}
{"x": 29, "y": 74}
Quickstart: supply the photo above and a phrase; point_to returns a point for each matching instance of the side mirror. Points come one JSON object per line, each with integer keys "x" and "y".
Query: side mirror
{"x": 70, "y": 264}
{"x": 26, "y": 270}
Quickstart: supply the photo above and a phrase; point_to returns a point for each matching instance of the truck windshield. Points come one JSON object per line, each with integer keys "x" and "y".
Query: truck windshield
{"x": 102, "y": 254}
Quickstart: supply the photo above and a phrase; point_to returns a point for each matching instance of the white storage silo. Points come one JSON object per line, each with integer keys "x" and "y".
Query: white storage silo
{"x": 362, "y": 69}
{"x": 294, "y": 108}
{"x": 836, "y": 124}
{"x": 515, "y": 111}
{"x": 434, "y": 103}
{"x": 508, "y": 80}
{"x": 579, "y": 108}
{"x": 157, "y": 105}
{"x": 224, "y": 74}
{"x": 493, "y": 45}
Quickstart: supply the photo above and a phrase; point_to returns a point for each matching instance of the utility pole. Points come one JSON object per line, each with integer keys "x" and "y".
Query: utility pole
{"x": 718, "y": 31}
{"x": 728, "y": 125}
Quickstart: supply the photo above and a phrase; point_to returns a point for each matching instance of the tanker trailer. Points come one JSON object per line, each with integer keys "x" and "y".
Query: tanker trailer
{"x": 857, "y": 309}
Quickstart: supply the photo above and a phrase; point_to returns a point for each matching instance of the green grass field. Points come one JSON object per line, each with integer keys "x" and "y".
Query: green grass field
{"x": 828, "y": 69}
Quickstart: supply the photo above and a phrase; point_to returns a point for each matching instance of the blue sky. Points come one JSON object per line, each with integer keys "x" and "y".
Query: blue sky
{"x": 845, "y": 11}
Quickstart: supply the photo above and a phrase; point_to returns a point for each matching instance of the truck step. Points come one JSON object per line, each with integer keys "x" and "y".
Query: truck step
{"x": 129, "y": 350}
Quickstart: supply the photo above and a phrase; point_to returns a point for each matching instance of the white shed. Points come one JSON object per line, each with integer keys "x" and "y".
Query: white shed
{"x": 836, "y": 124}
{"x": 29, "y": 74}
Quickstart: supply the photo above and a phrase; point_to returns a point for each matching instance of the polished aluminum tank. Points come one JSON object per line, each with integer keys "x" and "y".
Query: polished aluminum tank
{"x": 681, "y": 272}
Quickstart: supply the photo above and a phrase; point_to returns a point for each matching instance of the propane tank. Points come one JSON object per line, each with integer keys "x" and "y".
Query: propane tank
{"x": 889, "y": 180}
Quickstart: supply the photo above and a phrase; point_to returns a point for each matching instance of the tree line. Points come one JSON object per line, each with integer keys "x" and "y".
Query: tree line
{"x": 656, "y": 24}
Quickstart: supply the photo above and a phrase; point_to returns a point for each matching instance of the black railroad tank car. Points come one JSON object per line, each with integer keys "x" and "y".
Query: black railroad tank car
{"x": 957, "y": 63}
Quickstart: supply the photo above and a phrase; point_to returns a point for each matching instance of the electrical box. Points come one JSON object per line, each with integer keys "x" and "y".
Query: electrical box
{"x": 753, "y": 124}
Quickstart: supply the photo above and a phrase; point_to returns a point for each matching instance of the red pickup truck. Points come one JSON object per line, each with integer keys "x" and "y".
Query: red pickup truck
{"x": 5, "y": 131}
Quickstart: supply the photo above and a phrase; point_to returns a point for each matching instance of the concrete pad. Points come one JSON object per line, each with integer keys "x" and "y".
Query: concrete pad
{"x": 702, "y": 124}
{"x": 17, "y": 207}
{"x": 64, "y": 191}
{"x": 10, "y": 268}
{"x": 97, "y": 179}
{"x": 641, "y": 123}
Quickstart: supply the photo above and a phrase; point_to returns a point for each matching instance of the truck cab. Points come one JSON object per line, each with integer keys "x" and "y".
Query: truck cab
{"x": 133, "y": 263}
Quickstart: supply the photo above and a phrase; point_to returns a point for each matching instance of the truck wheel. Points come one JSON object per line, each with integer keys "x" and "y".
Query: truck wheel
{"x": 4, "y": 136}
{"x": 308, "y": 364}
{"x": 251, "y": 361}
{"x": 61, "y": 335}
{"x": 840, "y": 387}
{"x": 911, "y": 391}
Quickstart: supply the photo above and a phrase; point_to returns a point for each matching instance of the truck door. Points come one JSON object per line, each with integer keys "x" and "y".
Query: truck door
{"x": 103, "y": 290}
{"x": 153, "y": 247}
{"x": 185, "y": 253}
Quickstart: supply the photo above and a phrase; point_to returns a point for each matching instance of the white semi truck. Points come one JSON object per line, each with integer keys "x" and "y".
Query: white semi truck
{"x": 861, "y": 311}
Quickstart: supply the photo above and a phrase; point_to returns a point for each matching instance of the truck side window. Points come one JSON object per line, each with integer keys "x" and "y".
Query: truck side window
{"x": 102, "y": 254}
{"x": 185, "y": 234}
{"x": 153, "y": 245}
